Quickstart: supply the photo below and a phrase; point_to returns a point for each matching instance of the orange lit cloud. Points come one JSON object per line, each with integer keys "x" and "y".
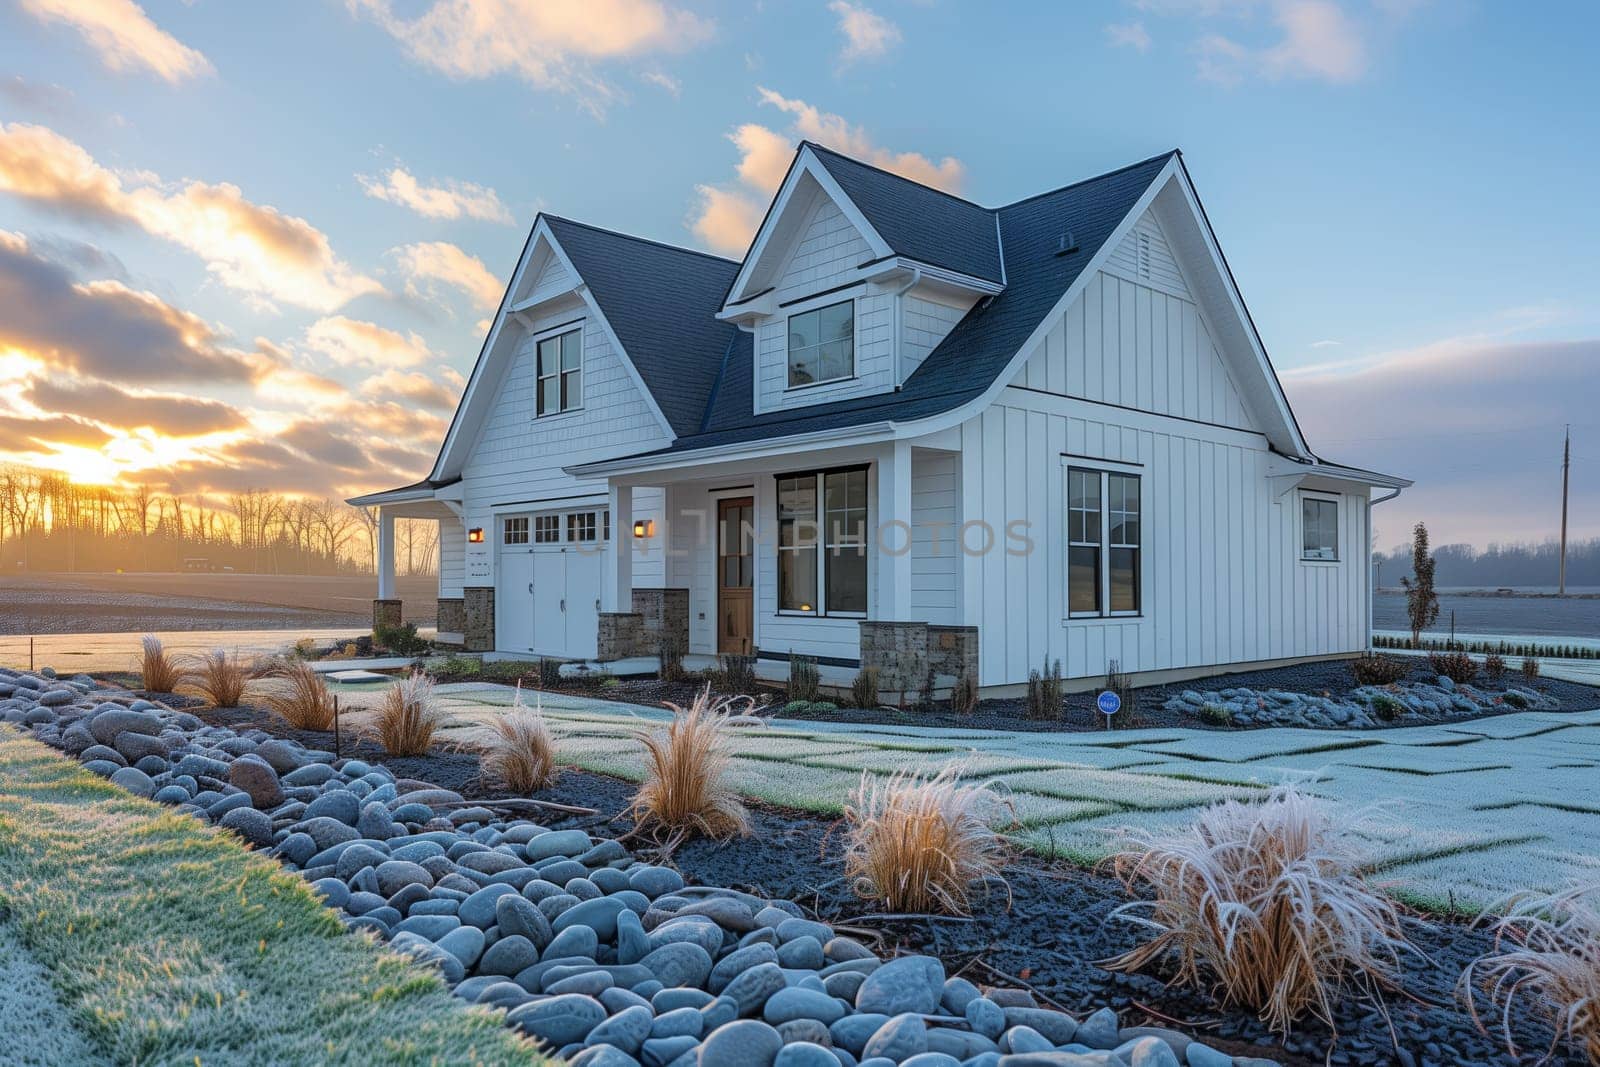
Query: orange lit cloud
{"x": 124, "y": 37}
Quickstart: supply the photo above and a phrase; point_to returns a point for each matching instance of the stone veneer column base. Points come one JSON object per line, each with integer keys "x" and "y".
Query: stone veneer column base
{"x": 664, "y": 616}
{"x": 953, "y": 651}
{"x": 899, "y": 653}
{"x": 477, "y": 630}
{"x": 385, "y": 613}
{"x": 620, "y": 635}
{"x": 452, "y": 615}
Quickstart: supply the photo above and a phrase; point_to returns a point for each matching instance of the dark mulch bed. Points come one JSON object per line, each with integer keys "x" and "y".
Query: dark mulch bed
{"x": 1047, "y": 932}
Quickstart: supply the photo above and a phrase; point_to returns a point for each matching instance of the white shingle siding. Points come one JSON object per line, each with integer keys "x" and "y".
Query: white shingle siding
{"x": 551, "y": 274}
{"x": 452, "y": 557}
{"x": 925, "y": 323}
{"x": 1144, "y": 256}
{"x": 829, "y": 250}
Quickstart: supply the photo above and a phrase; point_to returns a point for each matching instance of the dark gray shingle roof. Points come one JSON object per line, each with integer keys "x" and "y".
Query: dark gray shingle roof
{"x": 919, "y": 222}
{"x": 662, "y": 302}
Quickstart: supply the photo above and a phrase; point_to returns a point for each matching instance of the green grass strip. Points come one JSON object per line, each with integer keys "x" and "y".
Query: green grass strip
{"x": 166, "y": 942}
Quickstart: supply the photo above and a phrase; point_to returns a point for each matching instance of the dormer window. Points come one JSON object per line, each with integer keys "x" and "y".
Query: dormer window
{"x": 822, "y": 345}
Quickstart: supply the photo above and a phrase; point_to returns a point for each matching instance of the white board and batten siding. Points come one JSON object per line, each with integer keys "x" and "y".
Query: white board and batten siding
{"x": 518, "y": 457}
{"x": 935, "y": 525}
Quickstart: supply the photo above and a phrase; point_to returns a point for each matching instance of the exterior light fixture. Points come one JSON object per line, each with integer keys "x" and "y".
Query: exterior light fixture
{"x": 475, "y": 535}
{"x": 644, "y": 528}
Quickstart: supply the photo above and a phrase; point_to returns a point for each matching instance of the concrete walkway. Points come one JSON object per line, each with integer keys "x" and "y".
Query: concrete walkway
{"x": 1466, "y": 812}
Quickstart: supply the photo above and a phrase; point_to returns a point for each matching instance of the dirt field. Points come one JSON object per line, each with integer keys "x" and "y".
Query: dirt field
{"x": 122, "y": 603}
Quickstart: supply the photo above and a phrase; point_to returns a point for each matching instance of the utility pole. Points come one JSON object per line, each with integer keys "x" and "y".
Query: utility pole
{"x": 1566, "y": 467}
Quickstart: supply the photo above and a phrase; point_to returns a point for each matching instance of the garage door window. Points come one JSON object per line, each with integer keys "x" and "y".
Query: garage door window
{"x": 582, "y": 526}
{"x": 546, "y": 529}
{"x": 516, "y": 530}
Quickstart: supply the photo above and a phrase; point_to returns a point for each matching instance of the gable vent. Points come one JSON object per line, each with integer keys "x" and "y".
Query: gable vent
{"x": 1068, "y": 245}
{"x": 1144, "y": 255}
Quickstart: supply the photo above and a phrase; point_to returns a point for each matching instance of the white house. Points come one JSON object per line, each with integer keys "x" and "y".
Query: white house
{"x": 906, "y": 432}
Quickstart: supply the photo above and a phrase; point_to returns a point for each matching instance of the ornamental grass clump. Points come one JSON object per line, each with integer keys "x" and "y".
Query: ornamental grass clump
{"x": 220, "y": 678}
{"x": 407, "y": 718}
{"x": 1547, "y": 949}
{"x": 159, "y": 671}
{"x": 298, "y": 695}
{"x": 520, "y": 755}
{"x": 685, "y": 788}
{"x": 1265, "y": 903}
{"x": 920, "y": 844}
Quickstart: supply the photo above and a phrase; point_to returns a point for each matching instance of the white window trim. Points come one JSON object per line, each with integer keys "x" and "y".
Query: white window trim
{"x": 1300, "y": 529}
{"x": 1103, "y": 468}
{"x": 817, "y": 304}
{"x": 821, "y": 611}
{"x": 583, "y": 369}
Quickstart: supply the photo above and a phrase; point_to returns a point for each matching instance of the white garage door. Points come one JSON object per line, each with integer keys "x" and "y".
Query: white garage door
{"x": 547, "y": 597}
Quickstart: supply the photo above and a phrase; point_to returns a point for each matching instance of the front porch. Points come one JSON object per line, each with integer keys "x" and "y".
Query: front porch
{"x": 417, "y": 502}
{"x": 846, "y": 555}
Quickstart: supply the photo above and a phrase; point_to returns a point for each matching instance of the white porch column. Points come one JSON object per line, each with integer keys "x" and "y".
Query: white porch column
{"x": 385, "y": 554}
{"x": 619, "y": 591}
{"x": 893, "y": 534}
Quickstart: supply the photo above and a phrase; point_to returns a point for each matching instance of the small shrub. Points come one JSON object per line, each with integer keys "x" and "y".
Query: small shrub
{"x": 864, "y": 690}
{"x": 733, "y": 674}
{"x": 804, "y": 680}
{"x": 305, "y": 648}
{"x": 1378, "y": 670}
{"x": 964, "y": 695}
{"x": 520, "y": 755}
{"x": 1215, "y": 715}
{"x": 1387, "y": 708}
{"x": 1549, "y": 948}
{"x": 1263, "y": 901}
{"x": 298, "y": 695}
{"x": 1494, "y": 666}
{"x": 408, "y": 717}
{"x": 402, "y": 640}
{"x": 1045, "y": 692}
{"x": 685, "y": 785}
{"x": 919, "y": 844}
{"x": 1516, "y": 700}
{"x": 549, "y": 672}
{"x": 822, "y": 707}
{"x": 456, "y": 666}
{"x": 1530, "y": 668}
{"x": 670, "y": 655}
{"x": 159, "y": 672}
{"x": 218, "y": 677}
{"x": 1456, "y": 666}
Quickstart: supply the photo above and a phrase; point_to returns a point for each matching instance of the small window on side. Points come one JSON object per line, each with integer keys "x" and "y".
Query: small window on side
{"x": 1319, "y": 529}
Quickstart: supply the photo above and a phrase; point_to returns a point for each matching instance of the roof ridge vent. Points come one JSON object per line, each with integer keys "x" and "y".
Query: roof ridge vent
{"x": 1068, "y": 245}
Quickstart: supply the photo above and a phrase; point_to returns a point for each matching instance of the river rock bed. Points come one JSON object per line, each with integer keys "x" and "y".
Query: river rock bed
{"x": 607, "y": 960}
{"x": 1362, "y": 707}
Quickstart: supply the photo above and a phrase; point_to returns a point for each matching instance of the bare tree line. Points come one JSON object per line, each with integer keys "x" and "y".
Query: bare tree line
{"x": 49, "y": 523}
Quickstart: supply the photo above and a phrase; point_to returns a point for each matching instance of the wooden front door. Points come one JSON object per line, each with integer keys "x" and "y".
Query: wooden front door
{"x": 735, "y": 572}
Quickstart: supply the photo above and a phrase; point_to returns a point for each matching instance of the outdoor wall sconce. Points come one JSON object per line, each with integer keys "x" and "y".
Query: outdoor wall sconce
{"x": 475, "y": 535}
{"x": 644, "y": 528}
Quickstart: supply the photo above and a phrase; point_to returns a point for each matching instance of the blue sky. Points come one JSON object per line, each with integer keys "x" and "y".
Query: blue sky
{"x": 1403, "y": 189}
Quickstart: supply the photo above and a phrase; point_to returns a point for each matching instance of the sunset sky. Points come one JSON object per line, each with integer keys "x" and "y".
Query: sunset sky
{"x": 256, "y": 245}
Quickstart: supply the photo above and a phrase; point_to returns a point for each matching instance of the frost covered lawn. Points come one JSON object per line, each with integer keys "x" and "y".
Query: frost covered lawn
{"x": 129, "y": 933}
{"x": 1469, "y": 811}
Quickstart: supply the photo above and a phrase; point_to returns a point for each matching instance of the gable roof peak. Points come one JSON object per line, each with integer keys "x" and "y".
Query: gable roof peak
{"x": 665, "y": 245}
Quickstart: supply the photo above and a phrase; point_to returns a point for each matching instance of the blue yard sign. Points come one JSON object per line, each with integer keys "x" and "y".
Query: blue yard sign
{"x": 1109, "y": 704}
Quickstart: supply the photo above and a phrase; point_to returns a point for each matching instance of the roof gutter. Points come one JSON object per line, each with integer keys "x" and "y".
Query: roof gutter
{"x": 900, "y": 321}
{"x": 655, "y": 461}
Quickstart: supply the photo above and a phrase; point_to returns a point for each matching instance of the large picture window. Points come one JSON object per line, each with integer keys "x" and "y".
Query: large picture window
{"x": 1319, "y": 528}
{"x": 822, "y": 344}
{"x": 822, "y": 543}
{"x": 560, "y": 373}
{"x": 1104, "y": 528}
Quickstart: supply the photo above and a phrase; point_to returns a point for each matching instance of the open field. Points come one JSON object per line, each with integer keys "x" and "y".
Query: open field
{"x": 156, "y": 940}
{"x": 125, "y": 603}
{"x": 1533, "y": 616}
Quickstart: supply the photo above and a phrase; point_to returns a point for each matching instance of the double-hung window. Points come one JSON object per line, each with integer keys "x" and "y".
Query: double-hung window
{"x": 560, "y": 373}
{"x": 1103, "y": 540}
{"x": 822, "y": 344}
{"x": 1319, "y": 528}
{"x": 822, "y": 543}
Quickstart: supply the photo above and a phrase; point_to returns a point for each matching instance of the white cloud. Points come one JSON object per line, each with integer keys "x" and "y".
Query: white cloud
{"x": 124, "y": 37}
{"x": 250, "y": 247}
{"x": 414, "y": 387}
{"x": 663, "y": 81}
{"x": 1317, "y": 40}
{"x": 353, "y": 342}
{"x": 867, "y": 34}
{"x": 549, "y": 44}
{"x": 429, "y": 264}
{"x": 727, "y": 216}
{"x": 450, "y": 199}
{"x": 1129, "y": 35}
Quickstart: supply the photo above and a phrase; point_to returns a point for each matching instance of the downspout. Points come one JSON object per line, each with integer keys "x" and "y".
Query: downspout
{"x": 1372, "y": 589}
{"x": 899, "y": 327}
